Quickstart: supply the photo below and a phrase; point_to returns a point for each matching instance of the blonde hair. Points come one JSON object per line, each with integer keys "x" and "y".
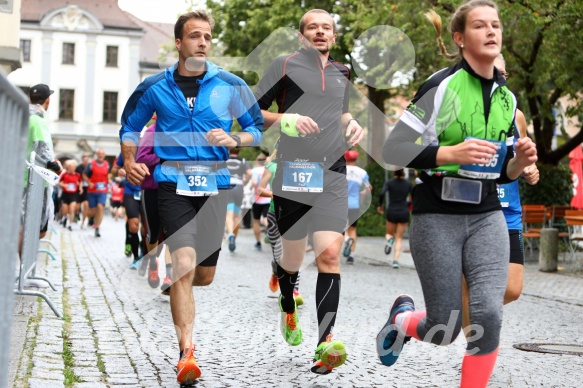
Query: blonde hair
{"x": 70, "y": 162}
{"x": 457, "y": 24}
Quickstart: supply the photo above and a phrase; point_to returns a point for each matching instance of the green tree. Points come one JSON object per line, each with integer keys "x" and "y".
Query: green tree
{"x": 539, "y": 39}
{"x": 540, "y": 46}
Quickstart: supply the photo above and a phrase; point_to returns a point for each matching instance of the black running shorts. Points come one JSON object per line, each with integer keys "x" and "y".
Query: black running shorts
{"x": 260, "y": 209}
{"x": 326, "y": 211}
{"x": 196, "y": 222}
{"x": 151, "y": 215}
{"x": 397, "y": 216}
{"x": 516, "y": 247}
{"x": 131, "y": 205}
{"x": 67, "y": 198}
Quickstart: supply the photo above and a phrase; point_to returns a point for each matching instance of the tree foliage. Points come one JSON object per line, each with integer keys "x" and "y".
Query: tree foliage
{"x": 540, "y": 46}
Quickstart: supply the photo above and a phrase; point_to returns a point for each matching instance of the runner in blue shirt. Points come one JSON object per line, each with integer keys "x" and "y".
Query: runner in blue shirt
{"x": 195, "y": 102}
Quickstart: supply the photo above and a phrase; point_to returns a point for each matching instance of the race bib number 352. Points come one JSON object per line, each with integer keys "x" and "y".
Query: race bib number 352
{"x": 196, "y": 181}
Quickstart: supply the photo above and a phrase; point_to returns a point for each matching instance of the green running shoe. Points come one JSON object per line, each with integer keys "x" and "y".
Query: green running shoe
{"x": 290, "y": 326}
{"x": 329, "y": 355}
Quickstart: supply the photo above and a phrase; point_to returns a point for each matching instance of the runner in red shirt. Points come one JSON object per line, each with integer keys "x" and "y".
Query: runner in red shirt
{"x": 70, "y": 183}
{"x": 97, "y": 175}
{"x": 116, "y": 201}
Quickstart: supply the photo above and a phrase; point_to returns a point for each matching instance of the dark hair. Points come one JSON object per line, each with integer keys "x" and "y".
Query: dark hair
{"x": 38, "y": 101}
{"x": 263, "y": 151}
{"x": 457, "y": 24}
{"x": 303, "y": 19}
{"x": 199, "y": 14}
{"x": 399, "y": 173}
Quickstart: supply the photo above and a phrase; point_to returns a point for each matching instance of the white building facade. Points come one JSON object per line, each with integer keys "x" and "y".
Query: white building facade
{"x": 90, "y": 54}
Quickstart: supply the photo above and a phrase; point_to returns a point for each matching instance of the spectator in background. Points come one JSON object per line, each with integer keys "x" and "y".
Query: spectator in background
{"x": 40, "y": 141}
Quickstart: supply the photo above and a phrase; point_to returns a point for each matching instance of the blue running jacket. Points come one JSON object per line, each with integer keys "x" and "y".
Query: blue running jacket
{"x": 180, "y": 132}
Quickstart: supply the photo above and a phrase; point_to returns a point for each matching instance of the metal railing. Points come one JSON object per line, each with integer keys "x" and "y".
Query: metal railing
{"x": 35, "y": 196}
{"x": 14, "y": 131}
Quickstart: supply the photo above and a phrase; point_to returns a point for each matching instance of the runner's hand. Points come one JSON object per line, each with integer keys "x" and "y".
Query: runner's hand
{"x": 305, "y": 126}
{"x": 135, "y": 172}
{"x": 354, "y": 133}
{"x": 531, "y": 174}
{"x": 472, "y": 151}
{"x": 218, "y": 137}
{"x": 525, "y": 152}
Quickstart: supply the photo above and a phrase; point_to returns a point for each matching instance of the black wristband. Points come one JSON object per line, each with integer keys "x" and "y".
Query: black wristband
{"x": 358, "y": 122}
{"x": 237, "y": 139}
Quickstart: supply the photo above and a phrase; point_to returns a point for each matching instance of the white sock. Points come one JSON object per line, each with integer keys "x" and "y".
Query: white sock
{"x": 399, "y": 321}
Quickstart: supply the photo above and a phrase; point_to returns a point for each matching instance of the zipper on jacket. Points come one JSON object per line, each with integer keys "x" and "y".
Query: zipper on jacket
{"x": 321, "y": 72}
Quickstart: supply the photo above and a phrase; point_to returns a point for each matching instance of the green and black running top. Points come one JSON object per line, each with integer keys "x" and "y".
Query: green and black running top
{"x": 453, "y": 104}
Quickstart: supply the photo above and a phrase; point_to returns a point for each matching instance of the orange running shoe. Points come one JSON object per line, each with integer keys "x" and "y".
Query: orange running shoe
{"x": 273, "y": 283}
{"x": 166, "y": 286}
{"x": 188, "y": 370}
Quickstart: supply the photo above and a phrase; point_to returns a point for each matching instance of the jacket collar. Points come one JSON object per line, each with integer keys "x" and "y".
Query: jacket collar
{"x": 314, "y": 53}
{"x": 211, "y": 70}
{"x": 498, "y": 78}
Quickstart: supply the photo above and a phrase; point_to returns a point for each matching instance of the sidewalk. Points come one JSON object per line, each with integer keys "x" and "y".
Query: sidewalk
{"x": 118, "y": 331}
{"x": 564, "y": 286}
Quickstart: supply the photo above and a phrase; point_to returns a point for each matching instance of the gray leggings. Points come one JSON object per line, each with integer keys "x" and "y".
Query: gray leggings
{"x": 443, "y": 246}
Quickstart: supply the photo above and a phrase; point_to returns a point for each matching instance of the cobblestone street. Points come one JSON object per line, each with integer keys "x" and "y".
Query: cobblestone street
{"x": 118, "y": 331}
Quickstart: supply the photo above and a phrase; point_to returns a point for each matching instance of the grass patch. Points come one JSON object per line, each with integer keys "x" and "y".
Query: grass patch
{"x": 69, "y": 375}
{"x": 100, "y": 364}
{"x": 29, "y": 345}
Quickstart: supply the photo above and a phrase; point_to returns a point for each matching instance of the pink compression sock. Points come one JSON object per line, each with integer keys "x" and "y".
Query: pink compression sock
{"x": 410, "y": 322}
{"x": 476, "y": 370}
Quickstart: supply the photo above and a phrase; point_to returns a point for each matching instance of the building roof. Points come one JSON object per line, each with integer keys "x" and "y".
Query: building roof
{"x": 107, "y": 11}
{"x": 155, "y": 35}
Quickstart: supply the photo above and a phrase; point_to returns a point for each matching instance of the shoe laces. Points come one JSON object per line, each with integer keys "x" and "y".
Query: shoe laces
{"x": 320, "y": 349}
{"x": 290, "y": 321}
{"x": 153, "y": 274}
{"x": 188, "y": 352}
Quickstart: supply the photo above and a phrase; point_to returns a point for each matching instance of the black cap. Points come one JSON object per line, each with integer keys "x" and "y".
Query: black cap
{"x": 40, "y": 92}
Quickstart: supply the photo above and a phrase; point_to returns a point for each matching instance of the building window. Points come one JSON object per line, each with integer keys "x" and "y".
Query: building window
{"x": 68, "y": 53}
{"x": 66, "y": 104}
{"x": 25, "y": 49}
{"x": 111, "y": 56}
{"x": 110, "y": 107}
